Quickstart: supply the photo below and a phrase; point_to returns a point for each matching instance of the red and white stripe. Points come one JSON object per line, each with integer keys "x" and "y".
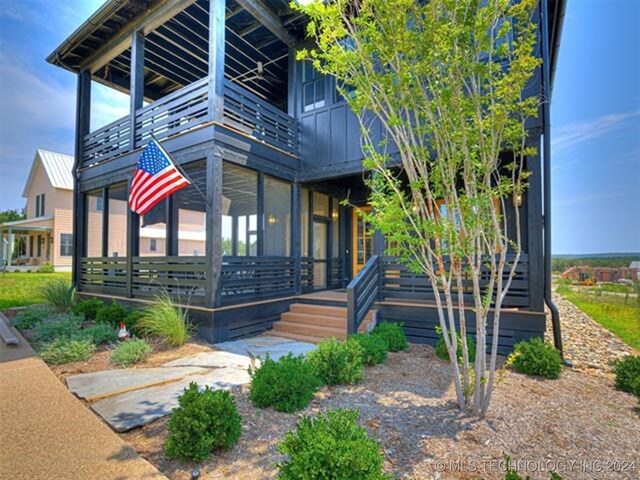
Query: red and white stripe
{"x": 147, "y": 190}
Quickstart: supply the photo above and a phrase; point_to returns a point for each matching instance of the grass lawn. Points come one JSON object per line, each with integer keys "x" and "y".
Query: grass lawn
{"x": 610, "y": 311}
{"x": 21, "y": 288}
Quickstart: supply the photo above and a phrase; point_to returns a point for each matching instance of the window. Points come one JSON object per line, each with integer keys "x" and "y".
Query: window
{"x": 66, "y": 244}
{"x": 239, "y": 210}
{"x": 153, "y": 230}
{"x": 153, "y": 245}
{"x": 31, "y": 252}
{"x": 99, "y": 204}
{"x": 93, "y": 224}
{"x": 277, "y": 214}
{"x": 117, "y": 220}
{"x": 320, "y": 204}
{"x": 312, "y": 87}
{"x": 39, "y": 246}
{"x": 40, "y": 205}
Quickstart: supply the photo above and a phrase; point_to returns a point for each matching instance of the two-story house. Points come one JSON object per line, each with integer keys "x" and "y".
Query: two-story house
{"x": 273, "y": 150}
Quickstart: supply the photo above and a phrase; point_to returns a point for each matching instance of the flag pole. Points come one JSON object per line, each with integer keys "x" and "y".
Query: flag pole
{"x": 180, "y": 169}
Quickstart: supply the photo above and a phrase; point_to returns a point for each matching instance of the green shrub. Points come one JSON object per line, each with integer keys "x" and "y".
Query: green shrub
{"x": 46, "y": 268}
{"x": 286, "y": 385}
{"x": 59, "y": 294}
{"x": 112, "y": 314}
{"x": 64, "y": 350}
{"x": 627, "y": 372}
{"x": 393, "y": 335}
{"x": 535, "y": 357}
{"x": 58, "y": 326}
{"x": 203, "y": 422}
{"x": 88, "y": 308}
{"x": 166, "y": 320}
{"x": 31, "y": 316}
{"x": 98, "y": 334}
{"x": 338, "y": 362}
{"x": 331, "y": 447}
{"x": 373, "y": 346}
{"x": 130, "y": 352}
{"x": 443, "y": 353}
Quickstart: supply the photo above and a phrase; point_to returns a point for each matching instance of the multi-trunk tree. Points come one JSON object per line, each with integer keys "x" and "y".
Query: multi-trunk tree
{"x": 446, "y": 81}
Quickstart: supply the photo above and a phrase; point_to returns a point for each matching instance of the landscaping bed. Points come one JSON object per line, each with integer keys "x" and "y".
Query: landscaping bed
{"x": 408, "y": 404}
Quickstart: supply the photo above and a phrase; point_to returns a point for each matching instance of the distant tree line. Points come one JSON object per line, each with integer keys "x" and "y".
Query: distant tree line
{"x": 560, "y": 264}
{"x": 12, "y": 215}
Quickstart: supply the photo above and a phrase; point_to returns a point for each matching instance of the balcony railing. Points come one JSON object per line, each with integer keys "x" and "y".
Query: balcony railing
{"x": 186, "y": 109}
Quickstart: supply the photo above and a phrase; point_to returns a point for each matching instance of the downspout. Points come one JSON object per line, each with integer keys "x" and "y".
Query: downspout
{"x": 546, "y": 66}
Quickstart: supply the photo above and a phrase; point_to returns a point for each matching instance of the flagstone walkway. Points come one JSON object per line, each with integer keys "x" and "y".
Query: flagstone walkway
{"x": 130, "y": 398}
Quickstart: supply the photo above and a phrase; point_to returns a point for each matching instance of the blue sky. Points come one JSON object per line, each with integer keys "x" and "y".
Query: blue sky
{"x": 595, "y": 113}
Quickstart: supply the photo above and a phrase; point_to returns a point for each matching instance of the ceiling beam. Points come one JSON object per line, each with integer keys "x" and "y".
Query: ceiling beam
{"x": 269, "y": 19}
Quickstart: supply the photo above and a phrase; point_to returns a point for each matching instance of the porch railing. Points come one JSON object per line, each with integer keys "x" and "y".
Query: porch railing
{"x": 187, "y": 108}
{"x": 362, "y": 292}
{"x": 184, "y": 278}
{"x": 103, "y": 275}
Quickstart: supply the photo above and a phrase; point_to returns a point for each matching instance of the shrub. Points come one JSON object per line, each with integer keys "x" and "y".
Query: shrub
{"x": 46, "y": 268}
{"x": 98, "y": 334}
{"x": 31, "y": 316}
{"x": 130, "y": 352}
{"x": 338, "y": 362}
{"x": 443, "y": 353}
{"x": 59, "y": 326}
{"x": 112, "y": 314}
{"x": 286, "y": 385}
{"x": 166, "y": 320}
{"x": 59, "y": 294}
{"x": 203, "y": 422}
{"x": 535, "y": 357}
{"x": 331, "y": 446}
{"x": 88, "y": 308}
{"x": 373, "y": 346}
{"x": 64, "y": 350}
{"x": 627, "y": 372}
{"x": 393, "y": 335}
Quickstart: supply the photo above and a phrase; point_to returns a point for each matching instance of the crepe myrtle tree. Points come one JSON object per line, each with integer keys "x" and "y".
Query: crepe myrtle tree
{"x": 446, "y": 81}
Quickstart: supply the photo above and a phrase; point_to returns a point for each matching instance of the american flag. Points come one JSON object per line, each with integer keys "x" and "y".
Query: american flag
{"x": 154, "y": 180}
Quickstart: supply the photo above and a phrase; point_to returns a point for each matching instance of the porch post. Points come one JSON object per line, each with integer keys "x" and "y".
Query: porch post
{"x": 532, "y": 221}
{"x": 295, "y": 234}
{"x": 136, "y": 86}
{"x": 1, "y": 248}
{"x": 83, "y": 113}
{"x": 214, "y": 158}
{"x": 10, "y": 247}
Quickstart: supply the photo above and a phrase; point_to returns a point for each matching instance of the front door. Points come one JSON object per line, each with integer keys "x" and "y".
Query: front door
{"x": 362, "y": 240}
{"x": 320, "y": 253}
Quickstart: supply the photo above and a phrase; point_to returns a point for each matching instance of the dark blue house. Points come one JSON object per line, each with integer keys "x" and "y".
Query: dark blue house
{"x": 262, "y": 236}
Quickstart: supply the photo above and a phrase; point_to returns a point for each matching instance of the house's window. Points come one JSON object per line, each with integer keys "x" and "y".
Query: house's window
{"x": 93, "y": 224}
{"x": 277, "y": 217}
{"x": 66, "y": 244}
{"x": 39, "y": 246}
{"x": 117, "y": 220}
{"x": 335, "y": 229}
{"x": 320, "y": 204}
{"x": 99, "y": 203}
{"x": 40, "y": 205}
{"x": 312, "y": 87}
{"x": 153, "y": 230}
{"x": 153, "y": 245}
{"x": 31, "y": 252}
{"x": 239, "y": 210}
{"x": 192, "y": 211}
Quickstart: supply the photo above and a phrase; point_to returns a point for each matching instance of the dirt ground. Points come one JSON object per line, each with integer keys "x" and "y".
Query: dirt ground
{"x": 579, "y": 425}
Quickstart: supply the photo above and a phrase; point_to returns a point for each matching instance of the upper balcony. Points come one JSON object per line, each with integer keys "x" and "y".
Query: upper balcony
{"x": 185, "y": 64}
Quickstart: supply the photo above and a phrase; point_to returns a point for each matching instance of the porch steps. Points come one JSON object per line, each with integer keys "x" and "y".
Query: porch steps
{"x": 310, "y": 322}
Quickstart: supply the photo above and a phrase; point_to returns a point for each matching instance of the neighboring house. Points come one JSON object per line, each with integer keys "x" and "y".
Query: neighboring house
{"x": 635, "y": 265}
{"x": 45, "y": 236}
{"x": 600, "y": 274}
{"x": 262, "y": 239}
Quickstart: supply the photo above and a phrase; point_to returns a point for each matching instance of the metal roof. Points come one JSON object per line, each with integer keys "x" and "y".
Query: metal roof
{"x": 57, "y": 166}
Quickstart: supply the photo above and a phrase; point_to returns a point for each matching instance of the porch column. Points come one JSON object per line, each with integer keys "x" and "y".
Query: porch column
{"x": 216, "y": 59}
{"x": 2, "y": 248}
{"x": 136, "y": 86}
{"x": 10, "y": 247}
{"x": 532, "y": 222}
{"x": 295, "y": 234}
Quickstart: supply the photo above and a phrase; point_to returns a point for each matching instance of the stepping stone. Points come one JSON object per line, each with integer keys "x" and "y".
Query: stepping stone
{"x": 261, "y": 346}
{"x": 212, "y": 360}
{"x": 5, "y": 332}
{"x": 140, "y": 407}
{"x": 96, "y": 385}
{"x": 268, "y": 341}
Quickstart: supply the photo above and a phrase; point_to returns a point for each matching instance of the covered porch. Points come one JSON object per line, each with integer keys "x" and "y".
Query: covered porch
{"x": 25, "y": 244}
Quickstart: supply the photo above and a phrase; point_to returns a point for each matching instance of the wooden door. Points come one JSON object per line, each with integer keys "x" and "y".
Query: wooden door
{"x": 361, "y": 241}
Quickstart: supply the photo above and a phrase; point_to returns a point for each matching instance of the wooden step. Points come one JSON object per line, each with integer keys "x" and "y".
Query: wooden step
{"x": 311, "y": 319}
{"x": 310, "y": 330}
{"x": 315, "y": 309}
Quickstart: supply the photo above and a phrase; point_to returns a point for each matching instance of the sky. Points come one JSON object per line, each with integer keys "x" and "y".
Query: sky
{"x": 595, "y": 113}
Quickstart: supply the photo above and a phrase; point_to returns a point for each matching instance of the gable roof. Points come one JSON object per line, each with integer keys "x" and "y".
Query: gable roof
{"x": 57, "y": 166}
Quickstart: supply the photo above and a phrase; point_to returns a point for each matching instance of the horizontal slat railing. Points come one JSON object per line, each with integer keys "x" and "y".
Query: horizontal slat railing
{"x": 257, "y": 118}
{"x": 362, "y": 293}
{"x": 106, "y": 142}
{"x": 306, "y": 274}
{"x": 336, "y": 271}
{"x": 184, "y": 278}
{"x": 103, "y": 275}
{"x": 250, "y": 279}
{"x": 179, "y": 111}
{"x": 400, "y": 283}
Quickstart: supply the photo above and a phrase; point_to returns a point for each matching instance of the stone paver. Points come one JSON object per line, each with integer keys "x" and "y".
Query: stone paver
{"x": 95, "y": 385}
{"x": 212, "y": 360}
{"x": 261, "y": 346}
{"x": 140, "y": 407}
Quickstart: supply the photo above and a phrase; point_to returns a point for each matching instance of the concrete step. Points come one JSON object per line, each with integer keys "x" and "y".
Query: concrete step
{"x": 324, "y": 310}
{"x": 310, "y": 329}
{"x": 311, "y": 319}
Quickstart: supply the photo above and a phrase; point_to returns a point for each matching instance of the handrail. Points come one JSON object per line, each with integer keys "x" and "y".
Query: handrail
{"x": 362, "y": 293}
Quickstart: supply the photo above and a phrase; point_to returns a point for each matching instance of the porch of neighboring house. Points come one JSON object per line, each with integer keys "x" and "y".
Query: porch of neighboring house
{"x": 26, "y": 244}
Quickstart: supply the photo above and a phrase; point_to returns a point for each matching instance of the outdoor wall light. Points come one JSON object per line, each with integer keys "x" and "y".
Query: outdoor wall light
{"x": 271, "y": 219}
{"x": 334, "y": 215}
